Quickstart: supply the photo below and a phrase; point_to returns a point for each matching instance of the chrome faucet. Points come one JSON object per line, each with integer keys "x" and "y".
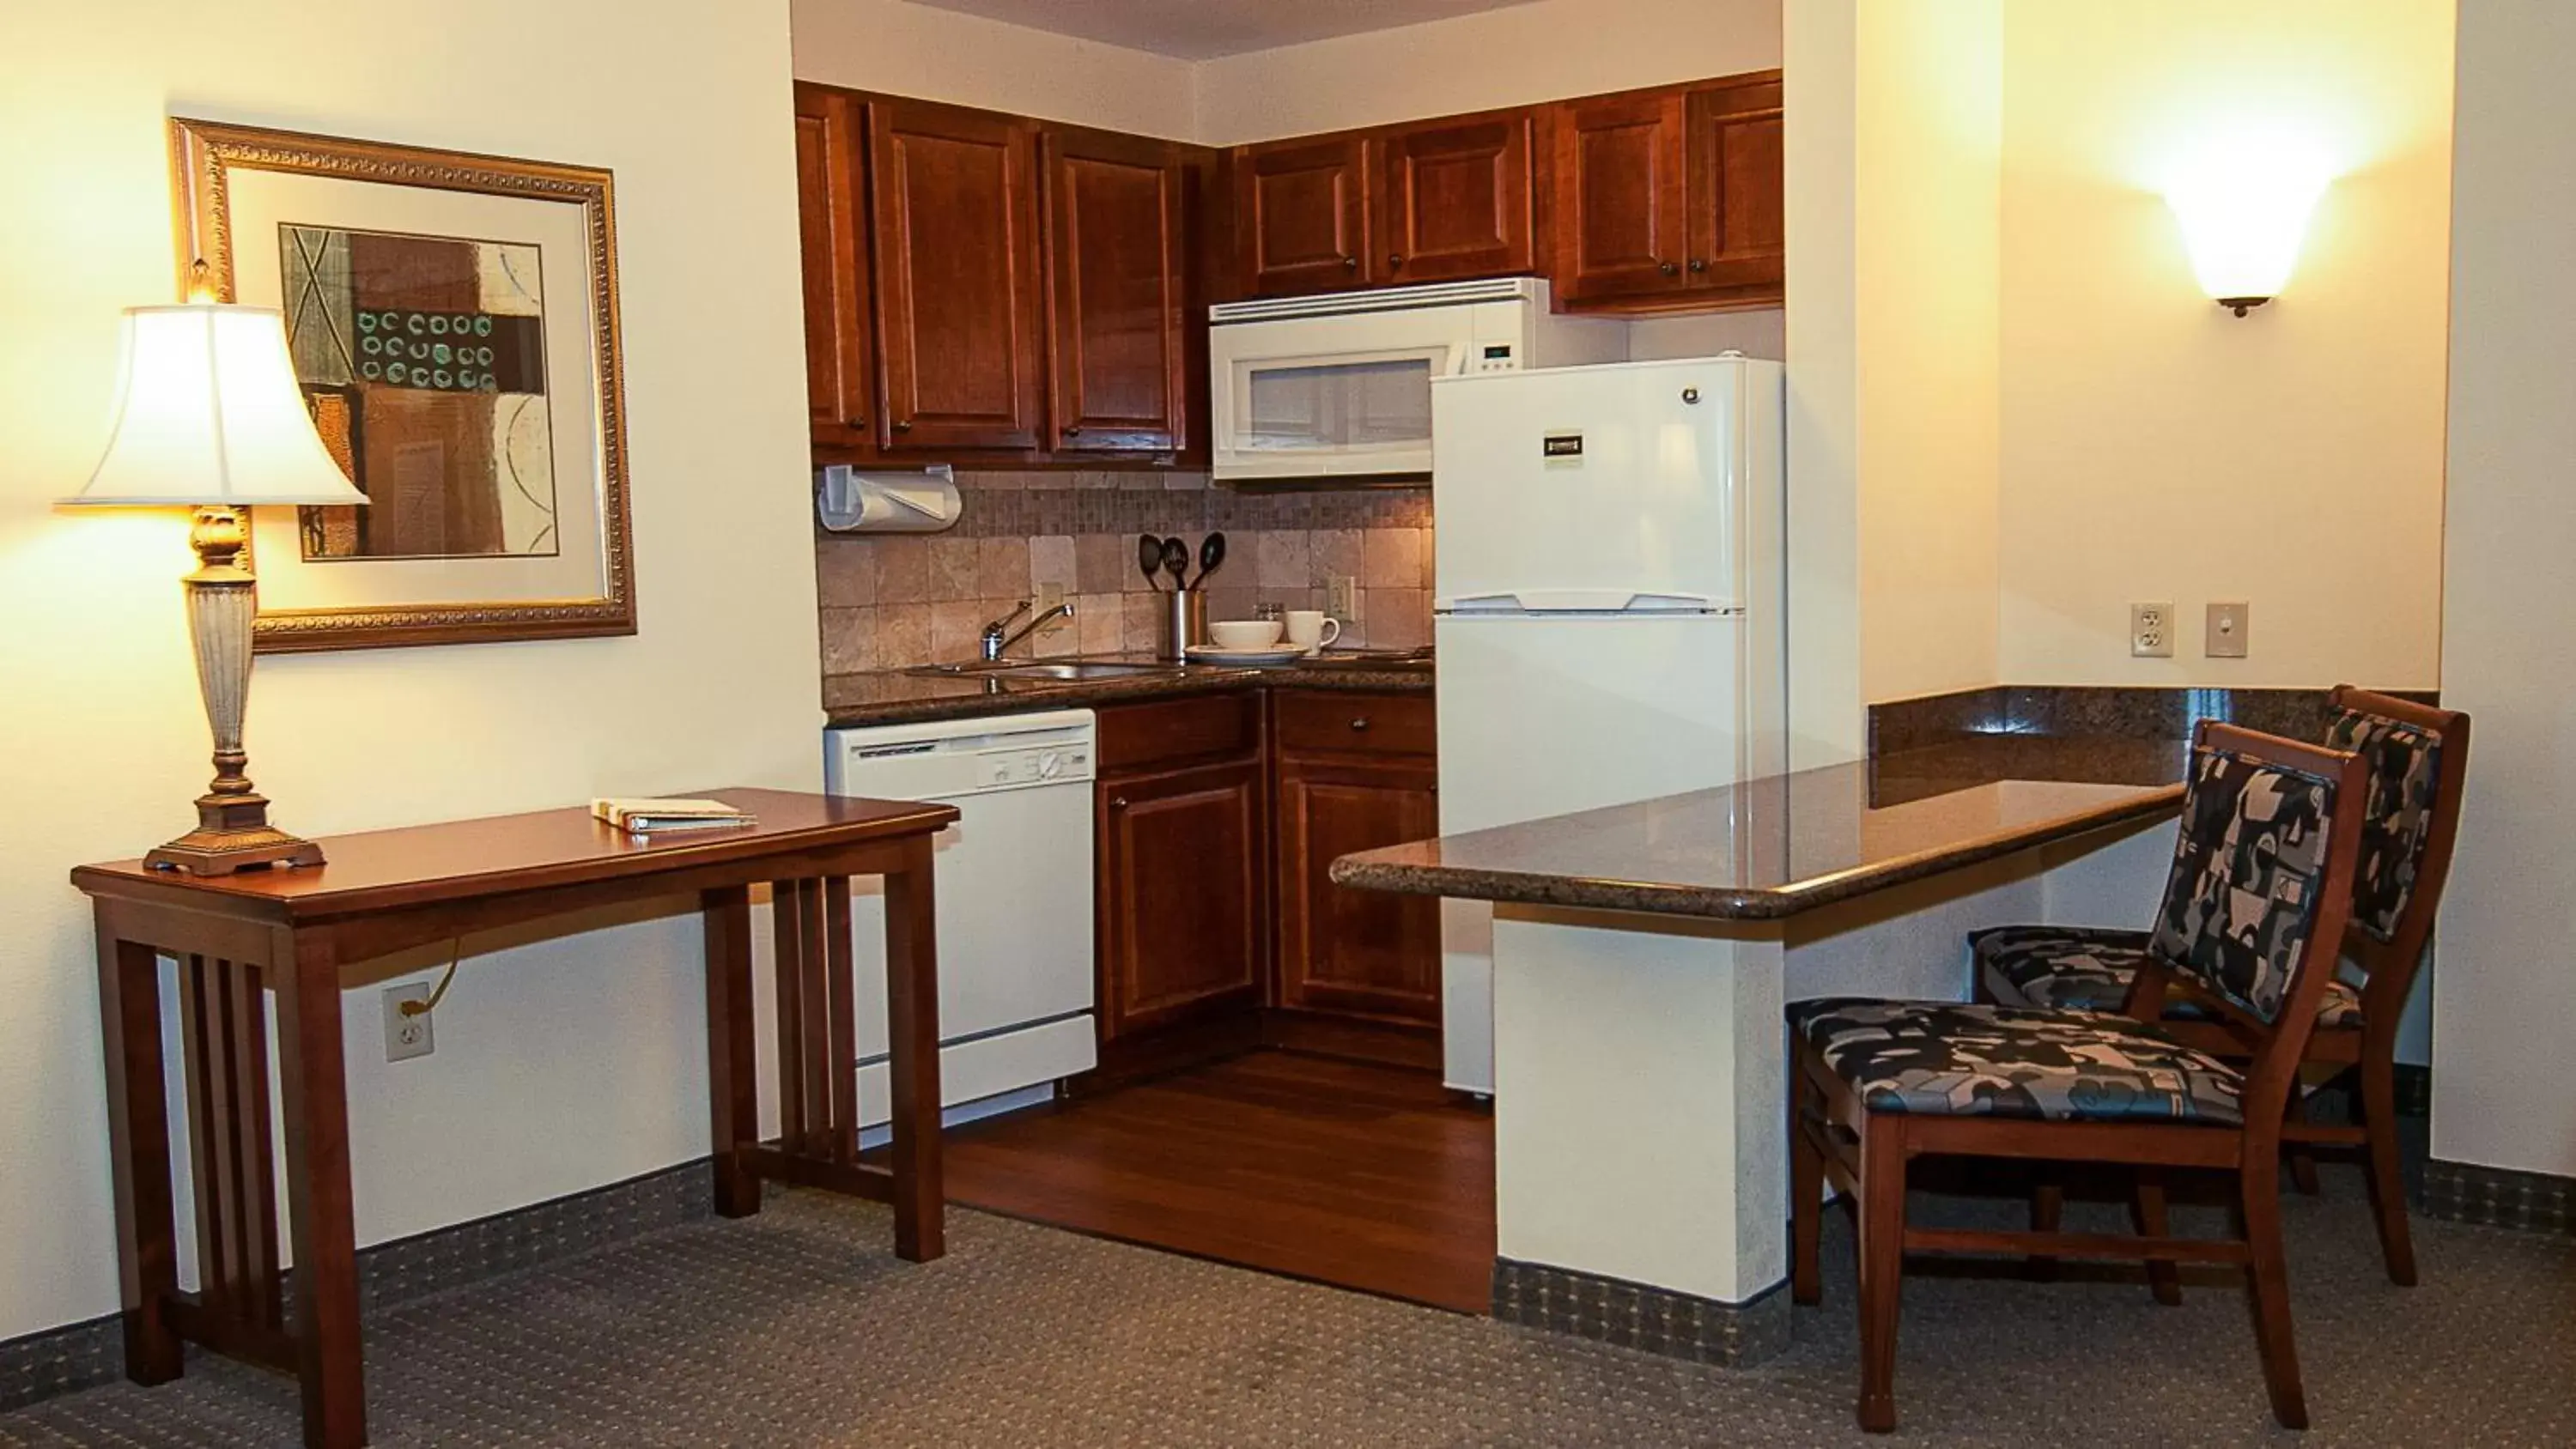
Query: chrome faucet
{"x": 996, "y": 639}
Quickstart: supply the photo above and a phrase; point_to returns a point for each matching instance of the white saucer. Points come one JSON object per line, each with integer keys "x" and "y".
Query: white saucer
{"x": 1274, "y": 654}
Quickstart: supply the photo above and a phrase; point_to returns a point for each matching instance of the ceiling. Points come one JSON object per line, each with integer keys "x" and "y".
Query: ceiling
{"x": 1199, "y": 29}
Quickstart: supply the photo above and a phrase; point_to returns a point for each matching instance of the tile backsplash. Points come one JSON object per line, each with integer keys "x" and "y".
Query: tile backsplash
{"x": 891, "y": 600}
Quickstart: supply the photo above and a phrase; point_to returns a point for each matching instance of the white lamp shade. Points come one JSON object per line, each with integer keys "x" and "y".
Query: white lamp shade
{"x": 2244, "y": 226}
{"x": 209, "y": 412}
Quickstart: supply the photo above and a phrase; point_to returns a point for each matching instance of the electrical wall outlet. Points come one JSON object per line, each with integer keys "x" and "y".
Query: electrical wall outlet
{"x": 407, "y": 1036}
{"x": 2227, "y": 636}
{"x": 1341, "y": 596}
{"x": 1048, "y": 596}
{"x": 2151, "y": 631}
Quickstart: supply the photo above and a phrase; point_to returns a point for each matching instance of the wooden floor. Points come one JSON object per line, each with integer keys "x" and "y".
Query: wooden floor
{"x": 1360, "y": 1176}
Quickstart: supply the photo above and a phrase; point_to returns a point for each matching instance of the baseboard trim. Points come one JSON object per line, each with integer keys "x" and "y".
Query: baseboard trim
{"x": 54, "y": 1361}
{"x": 2533, "y": 1202}
{"x": 1640, "y": 1315}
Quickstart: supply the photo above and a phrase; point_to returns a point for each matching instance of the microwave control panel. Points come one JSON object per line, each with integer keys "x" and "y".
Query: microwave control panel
{"x": 1495, "y": 357}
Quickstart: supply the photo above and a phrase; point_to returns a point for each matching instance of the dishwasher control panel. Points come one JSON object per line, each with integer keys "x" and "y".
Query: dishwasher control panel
{"x": 1041, "y": 765}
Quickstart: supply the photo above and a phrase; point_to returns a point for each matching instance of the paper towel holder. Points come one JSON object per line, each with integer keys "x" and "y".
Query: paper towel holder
{"x": 912, "y": 500}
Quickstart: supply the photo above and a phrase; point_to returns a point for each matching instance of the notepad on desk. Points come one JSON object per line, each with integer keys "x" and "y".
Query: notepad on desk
{"x": 637, "y": 815}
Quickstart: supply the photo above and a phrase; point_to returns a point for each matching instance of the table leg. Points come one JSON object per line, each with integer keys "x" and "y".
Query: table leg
{"x": 733, "y": 1092}
{"x": 129, "y": 995}
{"x": 329, "y": 1362}
{"x": 912, "y": 1030}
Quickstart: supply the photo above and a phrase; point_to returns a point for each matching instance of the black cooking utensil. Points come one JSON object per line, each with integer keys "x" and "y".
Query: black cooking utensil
{"x": 1149, "y": 557}
{"x": 1211, "y": 557}
{"x": 1176, "y": 562}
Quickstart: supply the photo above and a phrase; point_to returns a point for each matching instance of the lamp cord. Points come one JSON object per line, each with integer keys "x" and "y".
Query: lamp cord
{"x": 455, "y": 953}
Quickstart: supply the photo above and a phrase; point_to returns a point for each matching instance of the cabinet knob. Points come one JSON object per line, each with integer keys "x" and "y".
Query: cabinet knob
{"x": 1667, "y": 268}
{"x": 1350, "y": 264}
{"x": 1073, "y": 430}
{"x": 1361, "y": 723}
{"x": 1117, "y": 802}
{"x": 1395, "y": 259}
{"x": 903, "y": 425}
{"x": 1698, "y": 265}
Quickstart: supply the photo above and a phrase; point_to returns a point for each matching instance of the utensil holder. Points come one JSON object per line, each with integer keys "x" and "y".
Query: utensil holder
{"x": 1184, "y": 623}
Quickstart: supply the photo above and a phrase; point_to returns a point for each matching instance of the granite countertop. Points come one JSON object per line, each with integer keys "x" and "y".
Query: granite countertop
{"x": 895, "y": 696}
{"x": 1778, "y": 846}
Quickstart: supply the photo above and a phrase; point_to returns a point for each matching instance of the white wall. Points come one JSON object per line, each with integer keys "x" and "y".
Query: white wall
{"x": 562, "y": 1065}
{"x": 2135, "y": 408}
{"x": 1508, "y": 57}
{"x": 2506, "y": 992}
{"x": 913, "y": 50}
{"x": 1893, "y": 146}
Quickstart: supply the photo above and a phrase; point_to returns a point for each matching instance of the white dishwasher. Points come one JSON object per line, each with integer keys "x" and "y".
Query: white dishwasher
{"x": 1015, "y": 902}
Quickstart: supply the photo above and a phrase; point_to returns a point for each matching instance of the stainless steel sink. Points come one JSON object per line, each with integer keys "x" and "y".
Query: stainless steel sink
{"x": 1068, "y": 669}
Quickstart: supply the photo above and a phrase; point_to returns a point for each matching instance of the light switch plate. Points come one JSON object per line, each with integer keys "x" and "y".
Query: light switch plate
{"x": 1341, "y": 597}
{"x": 2228, "y": 624}
{"x": 2151, "y": 631}
{"x": 1049, "y": 595}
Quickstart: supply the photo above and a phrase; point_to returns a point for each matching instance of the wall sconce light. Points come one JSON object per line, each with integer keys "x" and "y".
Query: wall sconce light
{"x": 2244, "y": 215}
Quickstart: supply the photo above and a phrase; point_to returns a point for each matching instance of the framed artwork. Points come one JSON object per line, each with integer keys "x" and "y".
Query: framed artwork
{"x": 453, "y": 321}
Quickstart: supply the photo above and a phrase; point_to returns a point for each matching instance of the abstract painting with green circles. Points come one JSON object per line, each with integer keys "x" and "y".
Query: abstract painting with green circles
{"x": 423, "y": 359}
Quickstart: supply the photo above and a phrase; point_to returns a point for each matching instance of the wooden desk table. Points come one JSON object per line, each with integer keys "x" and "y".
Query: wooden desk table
{"x": 293, "y": 932}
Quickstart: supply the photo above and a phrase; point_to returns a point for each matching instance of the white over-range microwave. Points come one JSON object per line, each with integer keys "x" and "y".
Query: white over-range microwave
{"x": 1305, "y": 389}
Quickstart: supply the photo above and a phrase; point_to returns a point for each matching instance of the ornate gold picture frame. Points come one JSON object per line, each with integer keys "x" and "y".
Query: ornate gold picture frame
{"x": 453, "y": 319}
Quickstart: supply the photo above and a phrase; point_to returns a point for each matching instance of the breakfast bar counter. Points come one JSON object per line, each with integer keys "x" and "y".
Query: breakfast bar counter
{"x": 1643, "y": 955}
{"x": 1786, "y": 844}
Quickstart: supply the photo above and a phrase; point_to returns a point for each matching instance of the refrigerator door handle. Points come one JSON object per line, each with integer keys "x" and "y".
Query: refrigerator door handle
{"x": 1583, "y": 601}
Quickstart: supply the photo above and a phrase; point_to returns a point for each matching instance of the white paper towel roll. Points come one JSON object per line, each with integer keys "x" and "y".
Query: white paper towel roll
{"x": 851, "y": 501}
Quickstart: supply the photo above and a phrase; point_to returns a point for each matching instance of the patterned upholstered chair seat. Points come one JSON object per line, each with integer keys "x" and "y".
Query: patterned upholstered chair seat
{"x": 1951, "y": 1059}
{"x": 2088, "y": 968}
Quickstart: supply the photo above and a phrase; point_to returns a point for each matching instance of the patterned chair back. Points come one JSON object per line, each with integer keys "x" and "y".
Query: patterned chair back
{"x": 2404, "y": 800}
{"x": 2243, "y": 900}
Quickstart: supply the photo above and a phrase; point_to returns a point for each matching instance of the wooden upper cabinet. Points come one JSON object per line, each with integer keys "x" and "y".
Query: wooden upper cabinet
{"x": 1117, "y": 297}
{"x": 955, "y": 223}
{"x": 1301, "y": 216}
{"x": 1736, "y": 189}
{"x": 840, "y": 389}
{"x": 1454, "y": 200}
{"x": 1620, "y": 166}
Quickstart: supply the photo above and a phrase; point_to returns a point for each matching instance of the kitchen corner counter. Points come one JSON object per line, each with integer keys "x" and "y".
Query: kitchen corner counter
{"x": 895, "y": 696}
{"x": 1776, "y": 847}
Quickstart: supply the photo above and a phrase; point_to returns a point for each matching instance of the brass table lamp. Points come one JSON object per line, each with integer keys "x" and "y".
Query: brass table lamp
{"x": 209, "y": 416}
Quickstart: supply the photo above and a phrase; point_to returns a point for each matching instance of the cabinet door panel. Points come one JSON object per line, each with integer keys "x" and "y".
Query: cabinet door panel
{"x": 1455, "y": 201}
{"x": 840, "y": 391}
{"x": 1362, "y": 952}
{"x": 1302, "y": 217}
{"x": 1115, "y": 235}
{"x": 955, "y": 202}
{"x": 1735, "y": 194}
{"x": 1620, "y": 189}
{"x": 1180, "y": 896}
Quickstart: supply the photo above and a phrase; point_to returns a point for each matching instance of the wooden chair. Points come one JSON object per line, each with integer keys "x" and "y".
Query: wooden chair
{"x": 1878, "y": 1083}
{"x": 2418, "y": 757}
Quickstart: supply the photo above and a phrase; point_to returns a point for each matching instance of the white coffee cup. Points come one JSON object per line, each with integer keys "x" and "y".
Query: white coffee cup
{"x": 1244, "y": 633}
{"x": 1312, "y": 629}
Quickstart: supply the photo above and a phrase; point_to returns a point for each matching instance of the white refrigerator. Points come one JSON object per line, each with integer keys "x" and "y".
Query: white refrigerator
{"x": 1608, "y": 595}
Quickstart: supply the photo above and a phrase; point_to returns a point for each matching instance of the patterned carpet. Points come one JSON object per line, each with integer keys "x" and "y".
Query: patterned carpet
{"x": 797, "y": 1329}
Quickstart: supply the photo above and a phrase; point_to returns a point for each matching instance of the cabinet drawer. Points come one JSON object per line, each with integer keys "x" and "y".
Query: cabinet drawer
{"x": 1169, "y": 731}
{"x": 1348, "y": 722}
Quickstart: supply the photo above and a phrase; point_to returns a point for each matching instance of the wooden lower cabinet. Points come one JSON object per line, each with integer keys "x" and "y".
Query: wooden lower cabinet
{"x": 1218, "y": 820}
{"x": 1181, "y": 896}
{"x": 1361, "y": 952}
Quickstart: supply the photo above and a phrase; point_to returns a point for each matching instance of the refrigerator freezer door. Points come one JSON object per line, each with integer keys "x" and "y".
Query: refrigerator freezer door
{"x": 1548, "y": 714}
{"x": 1621, "y": 479}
